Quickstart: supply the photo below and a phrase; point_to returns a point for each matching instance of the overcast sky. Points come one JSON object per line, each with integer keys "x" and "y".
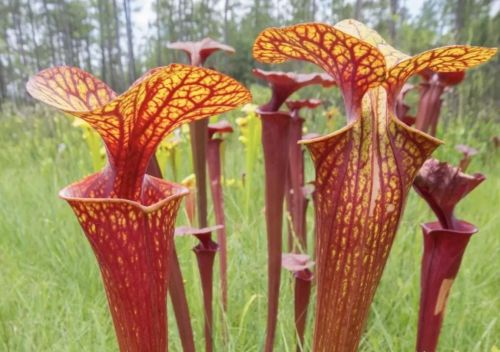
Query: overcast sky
{"x": 145, "y": 15}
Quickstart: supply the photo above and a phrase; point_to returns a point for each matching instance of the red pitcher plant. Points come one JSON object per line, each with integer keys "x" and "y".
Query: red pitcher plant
{"x": 198, "y": 52}
{"x": 275, "y": 142}
{"x": 442, "y": 186}
{"x": 364, "y": 170}
{"x": 127, "y": 215}
{"x": 214, "y": 161}
{"x": 300, "y": 266}
{"x": 296, "y": 198}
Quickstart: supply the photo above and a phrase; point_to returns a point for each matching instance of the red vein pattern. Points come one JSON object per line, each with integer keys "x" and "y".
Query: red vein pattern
{"x": 70, "y": 89}
{"x": 363, "y": 171}
{"x": 133, "y": 123}
{"x": 446, "y": 59}
{"x": 363, "y": 175}
{"x": 132, "y": 243}
{"x": 354, "y": 64}
{"x": 127, "y": 216}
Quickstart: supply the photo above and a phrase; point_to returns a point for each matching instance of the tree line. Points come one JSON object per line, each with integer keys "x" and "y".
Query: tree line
{"x": 98, "y": 35}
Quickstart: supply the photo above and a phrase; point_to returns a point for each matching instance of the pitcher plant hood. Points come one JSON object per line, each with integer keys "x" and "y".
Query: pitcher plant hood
{"x": 133, "y": 124}
{"x": 442, "y": 186}
{"x": 284, "y": 84}
{"x": 467, "y": 154}
{"x": 198, "y": 52}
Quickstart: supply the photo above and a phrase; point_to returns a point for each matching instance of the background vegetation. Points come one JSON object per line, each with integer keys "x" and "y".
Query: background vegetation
{"x": 51, "y": 296}
{"x": 111, "y": 39}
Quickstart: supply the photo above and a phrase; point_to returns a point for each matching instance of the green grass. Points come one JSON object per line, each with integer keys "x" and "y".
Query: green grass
{"x": 52, "y": 299}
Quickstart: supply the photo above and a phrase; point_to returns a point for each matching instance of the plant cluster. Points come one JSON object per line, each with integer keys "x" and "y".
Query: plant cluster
{"x": 364, "y": 172}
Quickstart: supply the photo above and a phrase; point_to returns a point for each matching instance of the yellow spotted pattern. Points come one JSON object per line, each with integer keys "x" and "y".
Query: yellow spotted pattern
{"x": 133, "y": 249}
{"x": 446, "y": 59}
{"x": 363, "y": 175}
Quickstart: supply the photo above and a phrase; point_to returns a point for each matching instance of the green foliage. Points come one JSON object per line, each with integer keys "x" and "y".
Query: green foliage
{"x": 250, "y": 136}
{"x": 91, "y": 34}
{"x": 53, "y": 299}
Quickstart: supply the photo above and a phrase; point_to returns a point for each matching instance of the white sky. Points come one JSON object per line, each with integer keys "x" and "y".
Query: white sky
{"x": 144, "y": 16}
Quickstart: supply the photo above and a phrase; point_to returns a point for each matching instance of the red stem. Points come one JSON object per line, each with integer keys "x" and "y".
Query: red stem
{"x": 296, "y": 182}
{"x": 176, "y": 285}
{"x": 275, "y": 144}
{"x": 179, "y": 303}
{"x": 289, "y": 208}
{"x": 303, "y": 281}
{"x": 443, "y": 252}
{"x": 199, "y": 136}
{"x": 205, "y": 255}
{"x": 429, "y": 107}
{"x": 214, "y": 172}
{"x": 279, "y": 96}
{"x": 464, "y": 163}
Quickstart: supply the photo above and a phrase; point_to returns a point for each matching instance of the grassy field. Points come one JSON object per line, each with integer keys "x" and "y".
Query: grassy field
{"x": 52, "y": 299}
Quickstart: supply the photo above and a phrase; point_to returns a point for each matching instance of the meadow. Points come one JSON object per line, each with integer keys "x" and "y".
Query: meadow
{"x": 52, "y": 298}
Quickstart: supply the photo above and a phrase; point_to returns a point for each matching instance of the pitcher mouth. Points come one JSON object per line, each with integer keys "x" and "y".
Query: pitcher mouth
{"x": 95, "y": 189}
{"x": 350, "y": 124}
{"x": 464, "y": 227}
